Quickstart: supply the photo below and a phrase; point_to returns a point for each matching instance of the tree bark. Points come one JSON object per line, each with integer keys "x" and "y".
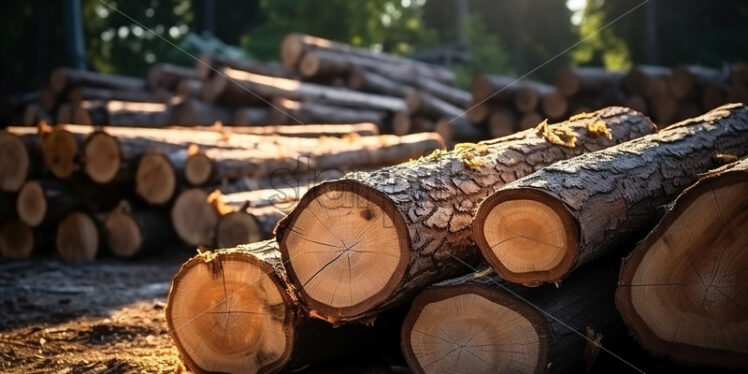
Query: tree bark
{"x": 301, "y": 131}
{"x": 293, "y": 112}
{"x": 365, "y": 80}
{"x": 78, "y": 94}
{"x": 63, "y": 79}
{"x": 123, "y": 113}
{"x": 250, "y": 320}
{"x": 424, "y": 208}
{"x": 537, "y": 324}
{"x": 587, "y": 204}
{"x": 194, "y": 112}
{"x": 586, "y": 80}
{"x": 130, "y": 232}
{"x": 207, "y": 66}
{"x": 168, "y": 76}
{"x": 189, "y": 88}
{"x": 693, "y": 254}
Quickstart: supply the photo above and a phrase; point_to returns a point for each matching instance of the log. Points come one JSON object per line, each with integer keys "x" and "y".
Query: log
{"x": 63, "y": 79}
{"x": 119, "y": 113}
{"x": 402, "y": 124}
{"x": 130, "y": 232}
{"x": 527, "y": 100}
{"x": 59, "y": 149}
{"x": 156, "y": 175}
{"x": 612, "y": 195}
{"x": 637, "y": 103}
{"x": 48, "y": 98}
{"x": 299, "y": 131}
{"x": 251, "y": 116}
{"x": 452, "y": 95}
{"x": 553, "y": 104}
{"x": 664, "y": 108}
{"x": 431, "y": 106}
{"x": 281, "y": 181}
{"x": 411, "y": 222}
{"x": 208, "y": 65}
{"x": 79, "y": 94}
{"x": 246, "y": 225}
{"x": 194, "y": 112}
{"x": 713, "y": 95}
{"x": 16, "y": 162}
{"x": 685, "y": 78}
{"x": 168, "y": 76}
{"x": 294, "y": 112}
{"x": 479, "y": 324}
{"x": 191, "y": 88}
{"x": 646, "y": 80}
{"x": 680, "y": 290}
{"x": 232, "y": 311}
{"x": 478, "y": 111}
{"x": 586, "y": 80}
{"x": 45, "y": 202}
{"x": 530, "y": 120}
{"x": 498, "y": 88}
{"x": 77, "y": 237}
{"x": 365, "y": 80}
{"x": 64, "y": 113}
{"x": 35, "y": 114}
{"x": 194, "y": 217}
{"x": 240, "y": 87}
{"x": 17, "y": 240}
{"x": 458, "y": 129}
{"x": 295, "y": 46}
{"x": 221, "y": 164}
{"x": 502, "y": 123}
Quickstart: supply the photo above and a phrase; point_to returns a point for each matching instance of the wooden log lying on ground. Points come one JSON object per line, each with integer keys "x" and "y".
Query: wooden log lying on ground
{"x": 479, "y": 324}
{"x": 242, "y": 87}
{"x": 646, "y": 80}
{"x": 194, "y": 112}
{"x": 498, "y": 88}
{"x": 243, "y": 225}
{"x": 295, "y": 46}
{"x": 680, "y": 291}
{"x": 586, "y": 80}
{"x": 431, "y": 106}
{"x": 232, "y": 311}
{"x": 290, "y": 111}
{"x": 195, "y": 217}
{"x": 168, "y": 76}
{"x": 554, "y": 104}
{"x": 477, "y": 111}
{"x": 300, "y": 131}
{"x": 538, "y": 229}
{"x": 118, "y": 113}
{"x": 354, "y": 152}
{"x": 530, "y": 120}
{"x": 684, "y": 78}
{"x": 454, "y": 129}
{"x": 60, "y": 151}
{"x": 77, "y": 237}
{"x": 78, "y": 94}
{"x": 17, "y": 239}
{"x": 502, "y": 122}
{"x": 63, "y": 79}
{"x": 405, "y": 226}
{"x": 45, "y": 202}
{"x": 157, "y": 174}
{"x": 208, "y": 64}
{"x": 16, "y": 149}
{"x": 365, "y": 80}
{"x": 130, "y": 232}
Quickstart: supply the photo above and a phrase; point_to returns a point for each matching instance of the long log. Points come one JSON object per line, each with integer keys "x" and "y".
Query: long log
{"x": 300, "y": 131}
{"x": 331, "y": 153}
{"x": 454, "y": 129}
{"x": 123, "y": 113}
{"x": 209, "y": 65}
{"x": 365, "y": 80}
{"x": 77, "y": 237}
{"x": 680, "y": 291}
{"x": 194, "y": 112}
{"x": 405, "y": 226}
{"x": 232, "y": 311}
{"x": 240, "y": 87}
{"x": 498, "y": 88}
{"x": 480, "y": 324}
{"x": 63, "y": 79}
{"x": 289, "y": 111}
{"x": 431, "y": 106}
{"x": 478, "y": 111}
{"x": 540, "y": 228}
{"x": 168, "y": 76}
{"x": 554, "y": 104}
{"x": 189, "y": 88}
{"x": 17, "y": 162}
{"x": 130, "y": 232}
{"x": 78, "y": 94}
{"x": 295, "y": 46}
{"x": 586, "y": 80}
{"x": 530, "y": 120}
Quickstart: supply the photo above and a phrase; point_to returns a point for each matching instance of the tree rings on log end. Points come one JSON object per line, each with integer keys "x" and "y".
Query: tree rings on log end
{"x": 228, "y": 314}
{"x": 31, "y": 204}
{"x": 77, "y": 238}
{"x": 346, "y": 248}
{"x": 123, "y": 234}
{"x": 59, "y": 150}
{"x": 473, "y": 329}
{"x": 682, "y": 291}
{"x": 194, "y": 218}
{"x": 101, "y": 157}
{"x": 14, "y": 162}
{"x": 155, "y": 178}
{"x": 237, "y": 228}
{"x": 16, "y": 240}
{"x": 527, "y": 236}
{"x": 198, "y": 168}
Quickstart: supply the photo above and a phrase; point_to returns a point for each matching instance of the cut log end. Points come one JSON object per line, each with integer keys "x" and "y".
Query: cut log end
{"x": 681, "y": 292}
{"x": 227, "y": 315}
{"x": 102, "y": 157}
{"x": 194, "y": 218}
{"x": 467, "y": 329}
{"x": 14, "y": 162}
{"x": 292, "y": 47}
{"x": 527, "y": 236}
{"x": 77, "y": 238}
{"x": 16, "y": 240}
{"x": 197, "y": 169}
{"x": 59, "y": 150}
{"x": 346, "y": 246}
{"x": 123, "y": 234}
{"x": 155, "y": 178}
{"x": 237, "y": 228}
{"x": 309, "y": 65}
{"x": 31, "y": 204}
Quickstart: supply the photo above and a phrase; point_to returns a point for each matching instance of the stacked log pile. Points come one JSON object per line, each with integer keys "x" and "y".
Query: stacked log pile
{"x": 135, "y": 189}
{"x": 351, "y": 249}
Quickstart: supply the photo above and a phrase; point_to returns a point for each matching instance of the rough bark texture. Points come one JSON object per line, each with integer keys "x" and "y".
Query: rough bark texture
{"x": 309, "y": 340}
{"x": 584, "y": 303}
{"x": 683, "y": 206}
{"x": 436, "y": 195}
{"x": 613, "y": 192}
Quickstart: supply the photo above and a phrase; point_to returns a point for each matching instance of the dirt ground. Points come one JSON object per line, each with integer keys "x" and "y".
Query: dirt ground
{"x": 107, "y": 316}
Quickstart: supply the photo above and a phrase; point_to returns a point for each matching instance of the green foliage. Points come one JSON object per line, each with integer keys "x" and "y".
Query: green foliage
{"x": 600, "y": 47}
{"x": 488, "y": 54}
{"x": 392, "y": 26}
